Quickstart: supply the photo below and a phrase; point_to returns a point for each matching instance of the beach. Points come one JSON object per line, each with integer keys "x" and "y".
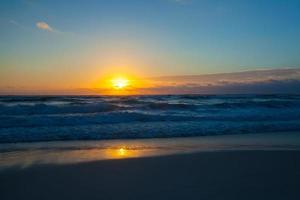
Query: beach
{"x": 248, "y": 174}
{"x": 150, "y": 147}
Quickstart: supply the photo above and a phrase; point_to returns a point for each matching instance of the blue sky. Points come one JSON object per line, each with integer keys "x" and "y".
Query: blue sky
{"x": 76, "y": 42}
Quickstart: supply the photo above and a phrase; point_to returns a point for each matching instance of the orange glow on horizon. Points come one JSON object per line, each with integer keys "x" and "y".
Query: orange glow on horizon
{"x": 120, "y": 84}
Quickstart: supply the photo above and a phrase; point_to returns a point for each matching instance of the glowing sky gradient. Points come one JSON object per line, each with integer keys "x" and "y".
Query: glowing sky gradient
{"x": 56, "y": 45}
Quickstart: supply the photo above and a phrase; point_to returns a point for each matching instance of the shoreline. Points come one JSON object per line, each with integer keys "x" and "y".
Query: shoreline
{"x": 27, "y": 154}
{"x": 252, "y": 174}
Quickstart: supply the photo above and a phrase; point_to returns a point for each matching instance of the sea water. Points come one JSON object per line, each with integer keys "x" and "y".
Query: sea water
{"x": 61, "y": 118}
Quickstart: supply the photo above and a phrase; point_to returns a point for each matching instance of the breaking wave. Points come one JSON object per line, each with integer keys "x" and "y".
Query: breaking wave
{"x": 42, "y": 118}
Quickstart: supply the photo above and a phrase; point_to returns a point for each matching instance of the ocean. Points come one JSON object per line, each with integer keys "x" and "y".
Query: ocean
{"x": 62, "y": 118}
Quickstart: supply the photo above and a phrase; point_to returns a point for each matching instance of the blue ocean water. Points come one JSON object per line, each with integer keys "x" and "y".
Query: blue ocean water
{"x": 53, "y": 118}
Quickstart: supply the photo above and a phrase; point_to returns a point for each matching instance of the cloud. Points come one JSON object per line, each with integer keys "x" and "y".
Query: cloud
{"x": 261, "y": 87}
{"x": 44, "y": 26}
{"x": 17, "y": 24}
{"x": 258, "y": 81}
{"x": 14, "y": 22}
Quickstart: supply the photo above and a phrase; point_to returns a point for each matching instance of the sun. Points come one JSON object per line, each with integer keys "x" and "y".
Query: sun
{"x": 120, "y": 83}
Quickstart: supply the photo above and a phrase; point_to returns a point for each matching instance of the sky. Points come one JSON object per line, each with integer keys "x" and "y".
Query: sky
{"x": 68, "y": 45}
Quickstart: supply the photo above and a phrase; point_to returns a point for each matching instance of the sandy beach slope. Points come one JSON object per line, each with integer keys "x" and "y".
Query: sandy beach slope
{"x": 206, "y": 175}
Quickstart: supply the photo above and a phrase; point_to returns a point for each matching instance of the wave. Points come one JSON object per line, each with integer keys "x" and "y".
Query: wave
{"x": 142, "y": 130}
{"x": 87, "y": 119}
{"x": 168, "y": 106}
{"x": 92, "y": 117}
{"x": 263, "y": 104}
{"x": 57, "y": 109}
{"x": 10, "y": 121}
{"x": 109, "y": 106}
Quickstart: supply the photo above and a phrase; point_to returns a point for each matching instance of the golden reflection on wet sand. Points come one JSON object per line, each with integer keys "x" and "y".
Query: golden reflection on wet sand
{"x": 123, "y": 152}
{"x": 30, "y": 157}
{"x": 24, "y": 155}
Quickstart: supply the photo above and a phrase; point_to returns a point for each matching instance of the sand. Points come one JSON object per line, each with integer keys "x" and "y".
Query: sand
{"x": 206, "y": 175}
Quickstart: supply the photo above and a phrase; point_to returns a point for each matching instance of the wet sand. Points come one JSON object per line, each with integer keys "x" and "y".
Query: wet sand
{"x": 247, "y": 174}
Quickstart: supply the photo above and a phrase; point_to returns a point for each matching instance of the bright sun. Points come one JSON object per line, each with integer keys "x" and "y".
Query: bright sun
{"x": 120, "y": 83}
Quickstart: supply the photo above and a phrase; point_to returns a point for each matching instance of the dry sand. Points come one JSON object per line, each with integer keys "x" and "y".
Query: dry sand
{"x": 206, "y": 175}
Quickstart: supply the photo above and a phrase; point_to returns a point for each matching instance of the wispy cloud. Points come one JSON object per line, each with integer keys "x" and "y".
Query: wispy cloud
{"x": 15, "y": 23}
{"x": 44, "y": 26}
{"x": 40, "y": 25}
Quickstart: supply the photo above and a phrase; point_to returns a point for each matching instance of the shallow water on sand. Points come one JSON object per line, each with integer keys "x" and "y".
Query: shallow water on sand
{"x": 28, "y": 154}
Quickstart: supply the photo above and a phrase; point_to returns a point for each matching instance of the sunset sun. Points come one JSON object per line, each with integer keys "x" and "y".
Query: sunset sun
{"x": 120, "y": 83}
